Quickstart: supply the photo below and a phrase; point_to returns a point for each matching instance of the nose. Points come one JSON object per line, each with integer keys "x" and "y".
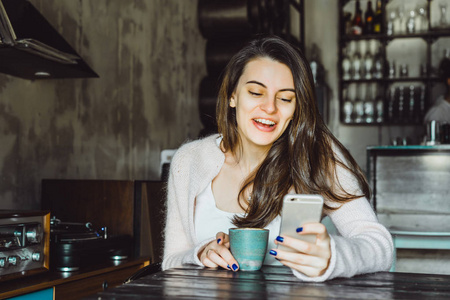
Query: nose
{"x": 268, "y": 105}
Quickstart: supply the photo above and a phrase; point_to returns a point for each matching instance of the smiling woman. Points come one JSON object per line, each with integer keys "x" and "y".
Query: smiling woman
{"x": 264, "y": 102}
{"x": 271, "y": 142}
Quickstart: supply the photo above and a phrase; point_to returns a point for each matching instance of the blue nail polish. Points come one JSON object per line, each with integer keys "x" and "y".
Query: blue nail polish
{"x": 235, "y": 267}
{"x": 228, "y": 266}
{"x": 300, "y": 229}
{"x": 280, "y": 239}
{"x": 273, "y": 252}
{"x": 218, "y": 241}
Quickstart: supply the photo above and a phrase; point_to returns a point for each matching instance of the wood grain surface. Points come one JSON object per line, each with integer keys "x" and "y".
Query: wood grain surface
{"x": 277, "y": 283}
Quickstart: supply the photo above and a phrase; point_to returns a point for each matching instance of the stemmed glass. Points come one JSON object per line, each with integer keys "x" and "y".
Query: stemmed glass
{"x": 358, "y": 106}
{"x": 422, "y": 18}
{"x": 356, "y": 62}
{"x": 347, "y": 108}
{"x": 346, "y": 64}
{"x": 390, "y": 23}
{"x": 368, "y": 62}
{"x": 411, "y": 22}
{"x": 401, "y": 19}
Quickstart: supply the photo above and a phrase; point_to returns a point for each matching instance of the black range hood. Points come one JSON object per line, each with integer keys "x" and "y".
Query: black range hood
{"x": 31, "y": 48}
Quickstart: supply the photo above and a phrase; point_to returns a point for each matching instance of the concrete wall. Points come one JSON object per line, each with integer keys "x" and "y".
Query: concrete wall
{"x": 150, "y": 58}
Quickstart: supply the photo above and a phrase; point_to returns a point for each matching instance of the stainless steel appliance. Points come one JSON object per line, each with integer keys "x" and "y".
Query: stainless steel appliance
{"x": 24, "y": 243}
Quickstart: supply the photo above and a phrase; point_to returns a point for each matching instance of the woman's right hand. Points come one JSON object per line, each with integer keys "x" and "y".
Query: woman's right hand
{"x": 217, "y": 253}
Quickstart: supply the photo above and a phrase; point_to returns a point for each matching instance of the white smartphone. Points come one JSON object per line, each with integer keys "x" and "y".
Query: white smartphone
{"x": 299, "y": 209}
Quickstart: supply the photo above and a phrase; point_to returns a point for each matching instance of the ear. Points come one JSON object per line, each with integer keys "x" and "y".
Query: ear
{"x": 233, "y": 101}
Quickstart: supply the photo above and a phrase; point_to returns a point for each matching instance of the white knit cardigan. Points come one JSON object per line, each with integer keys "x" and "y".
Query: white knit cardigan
{"x": 362, "y": 246}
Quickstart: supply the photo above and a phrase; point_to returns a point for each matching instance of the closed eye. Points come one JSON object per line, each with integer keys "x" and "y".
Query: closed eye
{"x": 286, "y": 100}
{"x": 254, "y": 94}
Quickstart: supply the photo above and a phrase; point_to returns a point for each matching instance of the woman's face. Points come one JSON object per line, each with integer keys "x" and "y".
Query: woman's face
{"x": 265, "y": 102}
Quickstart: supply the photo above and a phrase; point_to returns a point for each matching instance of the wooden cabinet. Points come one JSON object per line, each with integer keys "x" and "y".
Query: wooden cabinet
{"x": 74, "y": 285}
{"x": 45, "y": 294}
{"x": 126, "y": 207}
{"x": 93, "y": 284}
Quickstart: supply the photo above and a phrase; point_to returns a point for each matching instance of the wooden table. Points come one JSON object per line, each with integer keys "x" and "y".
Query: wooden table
{"x": 277, "y": 283}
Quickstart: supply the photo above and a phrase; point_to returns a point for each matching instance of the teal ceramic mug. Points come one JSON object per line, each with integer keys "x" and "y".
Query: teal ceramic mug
{"x": 249, "y": 247}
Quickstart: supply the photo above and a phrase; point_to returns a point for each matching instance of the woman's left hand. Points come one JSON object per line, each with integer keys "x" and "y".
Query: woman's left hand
{"x": 311, "y": 259}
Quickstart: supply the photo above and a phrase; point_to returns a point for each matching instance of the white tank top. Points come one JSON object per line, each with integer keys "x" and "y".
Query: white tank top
{"x": 209, "y": 220}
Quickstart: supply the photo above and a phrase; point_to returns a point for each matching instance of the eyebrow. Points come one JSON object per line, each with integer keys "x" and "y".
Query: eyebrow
{"x": 264, "y": 86}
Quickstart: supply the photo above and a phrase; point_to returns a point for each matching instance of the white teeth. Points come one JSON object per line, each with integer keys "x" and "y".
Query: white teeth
{"x": 264, "y": 121}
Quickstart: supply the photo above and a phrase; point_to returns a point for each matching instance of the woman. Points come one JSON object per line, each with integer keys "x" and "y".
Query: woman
{"x": 272, "y": 141}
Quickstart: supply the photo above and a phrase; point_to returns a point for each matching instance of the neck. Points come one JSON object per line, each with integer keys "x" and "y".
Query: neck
{"x": 250, "y": 157}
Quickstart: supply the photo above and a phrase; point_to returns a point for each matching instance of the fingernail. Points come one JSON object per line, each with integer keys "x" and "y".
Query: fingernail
{"x": 228, "y": 266}
{"x": 235, "y": 267}
{"x": 300, "y": 229}
{"x": 273, "y": 252}
{"x": 218, "y": 241}
{"x": 280, "y": 239}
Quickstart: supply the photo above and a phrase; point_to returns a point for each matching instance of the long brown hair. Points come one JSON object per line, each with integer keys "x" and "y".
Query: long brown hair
{"x": 302, "y": 157}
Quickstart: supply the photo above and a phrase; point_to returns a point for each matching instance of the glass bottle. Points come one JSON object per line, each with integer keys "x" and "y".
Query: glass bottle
{"x": 423, "y": 70}
{"x": 422, "y": 102}
{"x": 356, "y": 62}
{"x": 347, "y": 23}
{"x": 368, "y": 63}
{"x": 377, "y": 19}
{"x": 357, "y": 23}
{"x": 368, "y": 19}
{"x": 391, "y": 100}
{"x": 379, "y": 107}
{"x": 392, "y": 69}
{"x": 411, "y": 108}
{"x": 404, "y": 70}
{"x": 346, "y": 65}
{"x": 401, "y": 103}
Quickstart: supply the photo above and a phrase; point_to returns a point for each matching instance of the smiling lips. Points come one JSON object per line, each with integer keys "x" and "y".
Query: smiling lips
{"x": 264, "y": 124}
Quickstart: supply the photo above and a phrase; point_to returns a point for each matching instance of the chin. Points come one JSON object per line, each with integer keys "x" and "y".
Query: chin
{"x": 263, "y": 141}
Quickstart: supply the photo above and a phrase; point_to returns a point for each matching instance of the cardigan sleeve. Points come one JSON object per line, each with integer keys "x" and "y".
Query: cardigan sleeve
{"x": 362, "y": 244}
{"x": 180, "y": 246}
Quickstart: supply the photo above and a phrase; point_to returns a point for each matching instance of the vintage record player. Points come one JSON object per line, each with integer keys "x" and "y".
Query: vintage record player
{"x": 77, "y": 245}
